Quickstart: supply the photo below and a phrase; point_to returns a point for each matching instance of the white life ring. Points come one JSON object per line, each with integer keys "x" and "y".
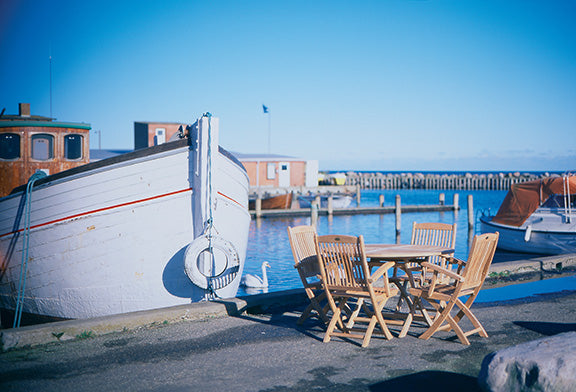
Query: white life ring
{"x": 222, "y": 259}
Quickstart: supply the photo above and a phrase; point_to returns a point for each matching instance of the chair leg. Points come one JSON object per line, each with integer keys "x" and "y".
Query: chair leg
{"x": 404, "y": 296}
{"x": 355, "y": 313}
{"x": 369, "y": 331}
{"x": 407, "y": 323}
{"x": 453, "y": 325}
{"x": 445, "y": 322}
{"x": 465, "y": 310}
{"x": 315, "y": 306}
{"x": 380, "y": 318}
{"x": 305, "y": 314}
{"x": 418, "y": 305}
{"x": 336, "y": 319}
{"x": 438, "y": 321}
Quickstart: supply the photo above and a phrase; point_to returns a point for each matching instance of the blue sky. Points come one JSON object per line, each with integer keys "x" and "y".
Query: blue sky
{"x": 371, "y": 85}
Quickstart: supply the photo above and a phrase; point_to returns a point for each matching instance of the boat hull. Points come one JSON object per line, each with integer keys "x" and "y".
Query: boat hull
{"x": 113, "y": 239}
{"x": 515, "y": 239}
{"x": 278, "y": 202}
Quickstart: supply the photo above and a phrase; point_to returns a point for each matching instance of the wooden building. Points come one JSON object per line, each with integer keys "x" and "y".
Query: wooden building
{"x": 148, "y": 134}
{"x": 29, "y": 143}
{"x": 277, "y": 171}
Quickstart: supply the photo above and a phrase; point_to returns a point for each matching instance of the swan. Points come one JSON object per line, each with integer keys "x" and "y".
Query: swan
{"x": 250, "y": 280}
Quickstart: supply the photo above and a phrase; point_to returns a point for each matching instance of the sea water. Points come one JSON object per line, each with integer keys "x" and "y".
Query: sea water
{"x": 268, "y": 237}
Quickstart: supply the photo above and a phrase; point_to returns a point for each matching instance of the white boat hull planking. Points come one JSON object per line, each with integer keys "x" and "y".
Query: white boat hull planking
{"x": 113, "y": 239}
{"x": 524, "y": 240}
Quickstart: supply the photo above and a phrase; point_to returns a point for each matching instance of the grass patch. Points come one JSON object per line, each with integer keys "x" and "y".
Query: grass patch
{"x": 86, "y": 335}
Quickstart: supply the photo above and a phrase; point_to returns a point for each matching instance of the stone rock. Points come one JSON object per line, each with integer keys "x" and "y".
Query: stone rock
{"x": 547, "y": 364}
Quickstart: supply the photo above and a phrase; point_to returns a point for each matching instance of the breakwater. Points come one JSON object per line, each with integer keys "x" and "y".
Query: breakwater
{"x": 466, "y": 181}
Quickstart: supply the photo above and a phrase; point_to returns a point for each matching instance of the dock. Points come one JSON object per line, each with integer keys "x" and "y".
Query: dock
{"x": 296, "y": 212}
{"x": 329, "y": 191}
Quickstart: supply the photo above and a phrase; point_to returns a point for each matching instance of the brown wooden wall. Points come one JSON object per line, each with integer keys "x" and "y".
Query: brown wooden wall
{"x": 16, "y": 172}
{"x": 257, "y": 172}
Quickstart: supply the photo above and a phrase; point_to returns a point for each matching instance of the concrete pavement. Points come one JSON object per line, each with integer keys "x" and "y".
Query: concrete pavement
{"x": 264, "y": 350}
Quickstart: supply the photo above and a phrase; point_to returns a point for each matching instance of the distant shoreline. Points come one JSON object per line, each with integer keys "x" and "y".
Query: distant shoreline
{"x": 450, "y": 172}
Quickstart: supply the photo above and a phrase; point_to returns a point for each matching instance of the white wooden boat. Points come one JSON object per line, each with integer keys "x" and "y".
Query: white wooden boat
{"x": 537, "y": 217}
{"x": 157, "y": 227}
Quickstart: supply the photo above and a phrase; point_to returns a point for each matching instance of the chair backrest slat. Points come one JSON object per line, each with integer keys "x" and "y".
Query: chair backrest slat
{"x": 434, "y": 234}
{"x": 479, "y": 259}
{"x": 304, "y": 250}
{"x": 343, "y": 262}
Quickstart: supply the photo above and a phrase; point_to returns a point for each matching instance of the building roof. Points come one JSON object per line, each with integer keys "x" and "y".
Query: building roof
{"x": 160, "y": 122}
{"x": 17, "y": 120}
{"x": 264, "y": 157}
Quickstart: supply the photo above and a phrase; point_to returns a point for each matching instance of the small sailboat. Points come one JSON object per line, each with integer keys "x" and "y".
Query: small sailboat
{"x": 537, "y": 217}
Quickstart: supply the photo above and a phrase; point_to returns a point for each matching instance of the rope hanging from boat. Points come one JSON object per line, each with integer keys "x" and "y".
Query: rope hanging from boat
{"x": 213, "y": 276}
{"x": 567, "y": 198}
{"x": 210, "y": 222}
{"x": 25, "y": 246}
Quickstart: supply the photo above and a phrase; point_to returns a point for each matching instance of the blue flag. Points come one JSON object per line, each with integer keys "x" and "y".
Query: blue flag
{"x": 265, "y": 108}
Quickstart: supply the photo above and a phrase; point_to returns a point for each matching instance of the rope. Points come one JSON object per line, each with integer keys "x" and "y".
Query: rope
{"x": 25, "y": 246}
{"x": 210, "y": 222}
{"x": 567, "y": 201}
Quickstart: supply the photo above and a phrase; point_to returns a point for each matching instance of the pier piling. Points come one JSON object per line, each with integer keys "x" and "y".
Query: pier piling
{"x": 258, "y": 206}
{"x": 314, "y": 214}
{"x": 398, "y": 216}
{"x": 470, "y": 212}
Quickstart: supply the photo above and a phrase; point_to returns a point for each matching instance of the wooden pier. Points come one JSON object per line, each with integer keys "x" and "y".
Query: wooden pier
{"x": 314, "y": 211}
{"x": 296, "y": 212}
{"x": 467, "y": 181}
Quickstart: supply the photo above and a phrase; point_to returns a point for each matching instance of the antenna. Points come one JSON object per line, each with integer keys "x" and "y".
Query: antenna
{"x": 50, "y": 65}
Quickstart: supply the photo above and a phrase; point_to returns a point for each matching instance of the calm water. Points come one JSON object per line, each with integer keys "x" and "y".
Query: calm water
{"x": 523, "y": 290}
{"x": 268, "y": 239}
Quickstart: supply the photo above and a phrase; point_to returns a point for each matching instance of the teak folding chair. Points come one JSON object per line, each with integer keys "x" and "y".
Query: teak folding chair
{"x": 306, "y": 263}
{"x": 346, "y": 276}
{"x": 466, "y": 280}
{"x": 428, "y": 233}
{"x": 434, "y": 234}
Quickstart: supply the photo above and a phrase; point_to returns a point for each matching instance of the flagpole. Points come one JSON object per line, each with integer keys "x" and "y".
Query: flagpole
{"x": 269, "y": 134}
{"x": 267, "y": 111}
{"x": 50, "y": 77}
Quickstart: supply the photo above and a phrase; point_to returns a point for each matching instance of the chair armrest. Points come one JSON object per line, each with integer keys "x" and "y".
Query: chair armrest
{"x": 443, "y": 271}
{"x": 452, "y": 260}
{"x": 381, "y": 271}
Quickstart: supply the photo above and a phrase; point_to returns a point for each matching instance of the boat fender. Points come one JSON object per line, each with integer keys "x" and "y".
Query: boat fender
{"x": 528, "y": 233}
{"x": 202, "y": 263}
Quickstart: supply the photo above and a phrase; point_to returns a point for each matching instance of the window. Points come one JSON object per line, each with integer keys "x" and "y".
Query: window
{"x": 42, "y": 147}
{"x": 271, "y": 171}
{"x": 559, "y": 201}
{"x": 159, "y": 136}
{"x": 73, "y": 146}
{"x": 9, "y": 146}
